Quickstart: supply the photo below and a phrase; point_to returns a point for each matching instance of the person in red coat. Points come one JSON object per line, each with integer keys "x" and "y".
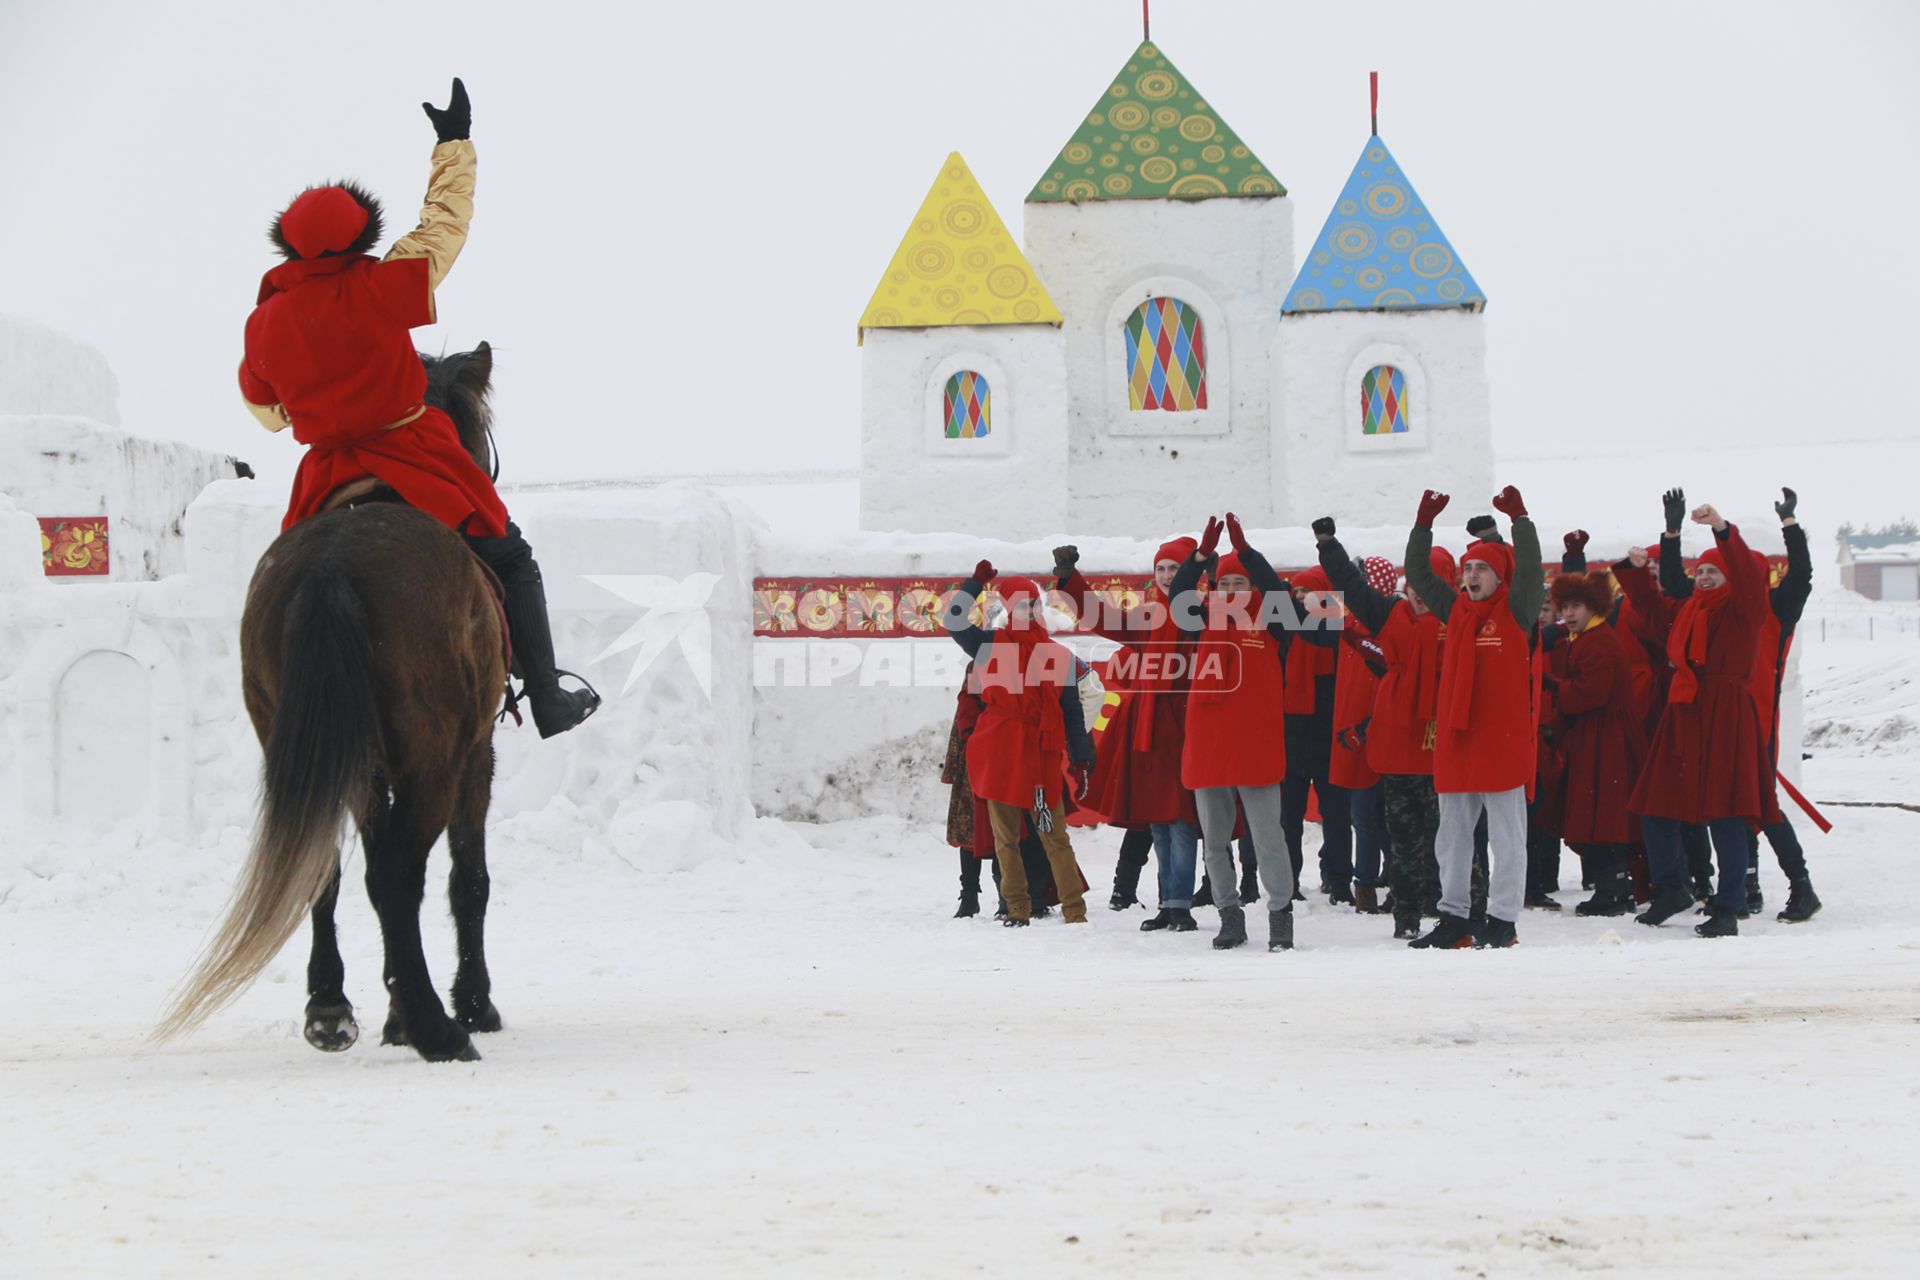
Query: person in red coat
{"x": 1483, "y": 758}
{"x": 1707, "y": 761}
{"x": 328, "y": 354}
{"x": 1235, "y": 751}
{"x": 1136, "y": 769}
{"x": 1028, "y": 730}
{"x": 1356, "y": 683}
{"x": 1400, "y": 727}
{"x": 1600, "y": 738}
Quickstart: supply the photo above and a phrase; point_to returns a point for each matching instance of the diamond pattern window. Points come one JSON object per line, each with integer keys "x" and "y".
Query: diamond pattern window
{"x": 1166, "y": 357}
{"x": 968, "y": 408}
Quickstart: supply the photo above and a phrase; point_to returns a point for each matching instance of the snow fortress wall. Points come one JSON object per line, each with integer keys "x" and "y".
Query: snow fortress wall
{"x": 914, "y": 477}
{"x": 122, "y": 700}
{"x": 43, "y": 371}
{"x": 1324, "y": 463}
{"x": 1231, "y": 260}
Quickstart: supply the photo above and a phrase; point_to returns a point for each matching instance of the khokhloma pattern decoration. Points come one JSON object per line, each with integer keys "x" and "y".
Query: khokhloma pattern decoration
{"x": 1166, "y": 356}
{"x": 1383, "y": 401}
{"x": 969, "y": 406}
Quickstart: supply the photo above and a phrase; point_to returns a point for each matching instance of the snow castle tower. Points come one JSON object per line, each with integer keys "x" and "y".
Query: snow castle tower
{"x": 1380, "y": 363}
{"x": 1169, "y": 246}
{"x": 963, "y": 367}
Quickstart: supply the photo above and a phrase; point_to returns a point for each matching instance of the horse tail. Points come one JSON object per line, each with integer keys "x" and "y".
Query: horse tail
{"x": 321, "y": 751}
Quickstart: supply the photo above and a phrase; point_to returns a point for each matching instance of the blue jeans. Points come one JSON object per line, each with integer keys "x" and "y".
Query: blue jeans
{"x": 1667, "y": 859}
{"x": 1369, "y": 809}
{"x": 1176, "y": 848}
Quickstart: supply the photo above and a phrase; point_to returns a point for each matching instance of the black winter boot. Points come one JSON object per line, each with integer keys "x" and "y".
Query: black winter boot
{"x": 1802, "y": 902}
{"x": 555, "y": 710}
{"x": 1366, "y": 900}
{"x": 1756, "y": 903}
{"x": 1668, "y": 902}
{"x": 1451, "y": 934}
{"x": 1702, "y": 888}
{"x": 1249, "y": 886}
{"x": 1721, "y": 924}
{"x": 1183, "y": 922}
{"x": 1233, "y": 928}
{"x": 1612, "y": 888}
{"x": 1406, "y": 927}
{"x": 1203, "y": 896}
{"x": 969, "y": 904}
{"x": 1164, "y": 920}
{"x": 1495, "y": 934}
{"x": 1280, "y": 929}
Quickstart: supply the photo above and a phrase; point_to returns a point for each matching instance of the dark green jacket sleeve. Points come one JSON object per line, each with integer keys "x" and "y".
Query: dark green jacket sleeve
{"x": 1438, "y": 596}
{"x": 1528, "y": 590}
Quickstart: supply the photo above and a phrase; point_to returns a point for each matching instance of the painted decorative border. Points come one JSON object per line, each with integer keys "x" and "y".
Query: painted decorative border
{"x": 74, "y": 546}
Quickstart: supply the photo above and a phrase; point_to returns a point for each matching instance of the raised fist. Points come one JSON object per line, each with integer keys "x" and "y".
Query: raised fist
{"x": 1431, "y": 505}
{"x": 1785, "y": 507}
{"x": 1064, "y": 560}
{"x": 1706, "y": 513}
{"x": 1323, "y": 528}
{"x": 1507, "y": 502}
{"x": 983, "y": 573}
{"x": 1481, "y": 526}
{"x": 1576, "y": 542}
{"x": 1637, "y": 556}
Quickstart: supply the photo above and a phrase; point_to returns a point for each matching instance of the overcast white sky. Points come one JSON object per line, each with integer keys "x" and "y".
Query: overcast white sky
{"x": 1694, "y": 221}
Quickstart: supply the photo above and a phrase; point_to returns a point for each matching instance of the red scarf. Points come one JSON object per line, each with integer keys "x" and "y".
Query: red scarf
{"x": 1687, "y": 642}
{"x": 1457, "y": 660}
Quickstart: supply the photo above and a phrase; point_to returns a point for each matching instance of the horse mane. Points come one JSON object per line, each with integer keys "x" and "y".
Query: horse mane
{"x": 460, "y": 385}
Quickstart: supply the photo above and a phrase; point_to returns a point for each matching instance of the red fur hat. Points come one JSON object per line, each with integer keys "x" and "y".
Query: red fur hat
{"x": 1594, "y": 590}
{"x": 340, "y": 218}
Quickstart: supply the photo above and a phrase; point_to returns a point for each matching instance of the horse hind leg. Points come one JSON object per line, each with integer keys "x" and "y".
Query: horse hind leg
{"x": 330, "y": 1023}
{"x": 396, "y": 881}
{"x": 468, "y": 887}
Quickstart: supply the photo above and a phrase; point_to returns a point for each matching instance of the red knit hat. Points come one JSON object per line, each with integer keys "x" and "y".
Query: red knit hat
{"x": 1012, "y": 589}
{"x": 1444, "y": 566}
{"x": 1713, "y": 557}
{"x": 1312, "y": 579}
{"x": 322, "y": 220}
{"x": 1177, "y": 550}
{"x": 1497, "y": 556}
{"x": 1229, "y": 565}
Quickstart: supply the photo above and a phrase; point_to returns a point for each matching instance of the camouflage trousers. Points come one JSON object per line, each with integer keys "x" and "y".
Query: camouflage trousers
{"x": 1413, "y": 872}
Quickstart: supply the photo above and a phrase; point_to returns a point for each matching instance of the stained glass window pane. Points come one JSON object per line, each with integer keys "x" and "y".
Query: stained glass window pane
{"x": 1166, "y": 356}
{"x": 968, "y": 411}
{"x": 1383, "y": 401}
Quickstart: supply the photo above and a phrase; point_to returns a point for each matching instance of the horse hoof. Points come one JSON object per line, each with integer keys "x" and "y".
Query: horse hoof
{"x": 461, "y": 1052}
{"x": 395, "y": 1032}
{"x": 332, "y": 1033}
{"x": 485, "y": 1019}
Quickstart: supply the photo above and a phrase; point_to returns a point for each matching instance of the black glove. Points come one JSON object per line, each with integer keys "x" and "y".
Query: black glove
{"x": 456, "y": 122}
{"x": 1064, "y": 560}
{"x": 1323, "y": 527}
{"x": 1481, "y": 526}
{"x": 1786, "y": 506}
{"x": 1675, "y": 503}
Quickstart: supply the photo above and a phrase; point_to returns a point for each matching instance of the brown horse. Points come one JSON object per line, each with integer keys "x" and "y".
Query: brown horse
{"x": 371, "y": 668}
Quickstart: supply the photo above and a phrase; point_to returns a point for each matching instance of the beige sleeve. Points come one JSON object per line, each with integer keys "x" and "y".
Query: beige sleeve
{"x": 444, "y": 217}
{"x": 271, "y": 416}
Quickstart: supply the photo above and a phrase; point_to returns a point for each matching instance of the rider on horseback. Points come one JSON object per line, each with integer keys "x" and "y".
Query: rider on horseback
{"x": 328, "y": 353}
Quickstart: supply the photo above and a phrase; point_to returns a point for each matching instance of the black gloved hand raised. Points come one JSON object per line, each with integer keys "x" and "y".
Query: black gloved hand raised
{"x": 1065, "y": 559}
{"x": 1480, "y": 526}
{"x": 456, "y": 121}
{"x": 1674, "y": 502}
{"x": 1323, "y": 527}
{"x": 1785, "y": 507}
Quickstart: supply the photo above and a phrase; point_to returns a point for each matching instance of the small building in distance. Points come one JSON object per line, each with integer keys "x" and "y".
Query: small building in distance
{"x": 1881, "y": 564}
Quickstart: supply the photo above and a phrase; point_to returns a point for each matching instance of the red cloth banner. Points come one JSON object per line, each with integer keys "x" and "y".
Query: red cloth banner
{"x": 73, "y": 546}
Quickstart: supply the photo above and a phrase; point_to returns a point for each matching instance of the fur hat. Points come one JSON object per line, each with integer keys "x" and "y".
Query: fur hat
{"x": 339, "y": 218}
{"x": 1594, "y": 590}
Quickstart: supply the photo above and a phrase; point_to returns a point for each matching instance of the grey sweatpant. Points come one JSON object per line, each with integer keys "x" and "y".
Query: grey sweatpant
{"x": 1506, "y": 851}
{"x": 1269, "y": 844}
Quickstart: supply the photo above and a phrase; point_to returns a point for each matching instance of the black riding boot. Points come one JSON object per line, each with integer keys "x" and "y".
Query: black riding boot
{"x": 555, "y": 710}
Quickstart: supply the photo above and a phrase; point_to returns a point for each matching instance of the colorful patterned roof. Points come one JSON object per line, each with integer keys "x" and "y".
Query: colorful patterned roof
{"x": 1152, "y": 136}
{"x": 957, "y": 265}
{"x": 1381, "y": 250}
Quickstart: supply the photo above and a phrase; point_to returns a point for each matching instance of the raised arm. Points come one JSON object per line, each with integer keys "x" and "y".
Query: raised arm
{"x": 448, "y": 208}
{"x": 1366, "y": 604}
{"x": 1796, "y": 585}
{"x": 1574, "y": 558}
{"x": 1653, "y": 612}
{"x": 1744, "y": 576}
{"x": 1097, "y": 616}
{"x": 1185, "y": 582}
{"x": 959, "y": 613}
{"x": 1528, "y": 590}
{"x": 1438, "y": 596}
{"x": 1674, "y": 582}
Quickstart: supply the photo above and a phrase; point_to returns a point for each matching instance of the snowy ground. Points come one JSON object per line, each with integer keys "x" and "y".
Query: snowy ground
{"x": 784, "y": 1057}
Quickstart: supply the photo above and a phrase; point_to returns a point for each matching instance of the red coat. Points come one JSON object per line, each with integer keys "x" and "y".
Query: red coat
{"x": 1707, "y": 758}
{"x": 1549, "y": 665}
{"x": 1487, "y": 744}
{"x": 1601, "y": 740}
{"x": 1020, "y": 740}
{"x": 1400, "y": 738}
{"x": 1354, "y": 689}
{"x": 1236, "y": 711}
{"x": 1765, "y": 686}
{"x": 329, "y": 341}
{"x": 1136, "y": 767}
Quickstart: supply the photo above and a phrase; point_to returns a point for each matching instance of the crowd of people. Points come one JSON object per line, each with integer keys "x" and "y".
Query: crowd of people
{"x": 1457, "y": 722}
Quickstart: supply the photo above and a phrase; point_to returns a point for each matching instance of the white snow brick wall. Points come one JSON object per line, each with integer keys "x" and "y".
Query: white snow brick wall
{"x": 1323, "y": 464}
{"x": 1013, "y": 480}
{"x": 43, "y": 371}
{"x": 1232, "y": 260}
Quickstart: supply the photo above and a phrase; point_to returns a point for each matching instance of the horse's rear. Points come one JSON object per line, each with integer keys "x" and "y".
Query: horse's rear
{"x": 371, "y": 660}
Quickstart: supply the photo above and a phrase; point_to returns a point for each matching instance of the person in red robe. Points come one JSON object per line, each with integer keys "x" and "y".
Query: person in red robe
{"x": 1601, "y": 740}
{"x": 1484, "y": 745}
{"x": 1136, "y": 770}
{"x": 1235, "y": 751}
{"x": 1707, "y": 762}
{"x": 328, "y": 354}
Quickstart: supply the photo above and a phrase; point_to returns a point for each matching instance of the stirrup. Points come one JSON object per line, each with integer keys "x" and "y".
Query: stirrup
{"x": 595, "y": 693}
